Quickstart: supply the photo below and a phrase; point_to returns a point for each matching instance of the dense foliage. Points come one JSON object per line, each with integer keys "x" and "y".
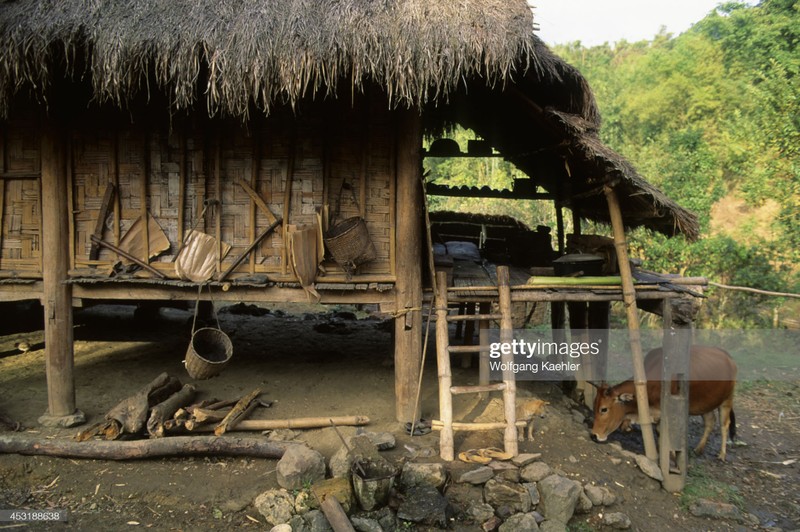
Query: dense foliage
{"x": 712, "y": 117}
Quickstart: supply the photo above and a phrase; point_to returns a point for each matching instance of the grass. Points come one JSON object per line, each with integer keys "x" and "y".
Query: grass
{"x": 700, "y": 485}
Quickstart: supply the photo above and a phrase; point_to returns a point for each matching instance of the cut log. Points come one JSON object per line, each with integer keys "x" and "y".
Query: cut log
{"x": 238, "y": 412}
{"x": 135, "y": 449}
{"x": 335, "y": 515}
{"x": 131, "y": 413}
{"x": 164, "y": 410}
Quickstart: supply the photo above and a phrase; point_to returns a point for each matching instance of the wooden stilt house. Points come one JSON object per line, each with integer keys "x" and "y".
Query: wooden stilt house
{"x": 124, "y": 125}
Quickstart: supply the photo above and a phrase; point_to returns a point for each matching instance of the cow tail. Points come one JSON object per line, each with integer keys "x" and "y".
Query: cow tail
{"x": 732, "y": 426}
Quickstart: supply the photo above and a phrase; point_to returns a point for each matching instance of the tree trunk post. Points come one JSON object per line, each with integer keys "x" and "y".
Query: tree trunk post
{"x": 408, "y": 322}
{"x": 57, "y": 296}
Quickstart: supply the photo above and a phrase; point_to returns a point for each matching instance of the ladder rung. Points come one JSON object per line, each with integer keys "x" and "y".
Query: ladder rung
{"x": 474, "y": 427}
{"x": 497, "y": 387}
{"x": 467, "y": 317}
{"x": 466, "y": 349}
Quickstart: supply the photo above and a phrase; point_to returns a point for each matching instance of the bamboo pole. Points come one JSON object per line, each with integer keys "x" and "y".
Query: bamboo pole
{"x": 446, "y": 450}
{"x": 510, "y": 391}
{"x": 629, "y": 299}
{"x": 254, "y": 166}
{"x": 145, "y": 222}
{"x": 218, "y": 194}
{"x": 182, "y": 187}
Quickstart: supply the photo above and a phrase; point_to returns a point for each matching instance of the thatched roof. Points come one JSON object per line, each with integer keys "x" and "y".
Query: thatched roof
{"x": 234, "y": 57}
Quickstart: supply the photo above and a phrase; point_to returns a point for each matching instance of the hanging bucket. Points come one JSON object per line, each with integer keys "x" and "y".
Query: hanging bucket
{"x": 209, "y": 352}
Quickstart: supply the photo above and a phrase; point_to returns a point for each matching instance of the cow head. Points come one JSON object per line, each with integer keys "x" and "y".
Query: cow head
{"x": 611, "y": 406}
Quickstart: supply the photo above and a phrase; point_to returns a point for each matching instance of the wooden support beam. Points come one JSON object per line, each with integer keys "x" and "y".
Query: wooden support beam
{"x": 506, "y": 336}
{"x": 444, "y": 374}
{"x": 629, "y": 299}
{"x": 57, "y": 297}
{"x": 674, "y": 425}
{"x": 408, "y": 324}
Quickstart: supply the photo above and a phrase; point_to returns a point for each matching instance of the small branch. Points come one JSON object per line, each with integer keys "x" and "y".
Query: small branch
{"x": 753, "y": 290}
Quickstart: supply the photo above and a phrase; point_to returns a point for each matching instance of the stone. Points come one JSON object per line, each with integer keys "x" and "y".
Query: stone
{"x": 715, "y": 510}
{"x": 364, "y": 524}
{"x": 300, "y": 467}
{"x": 415, "y": 474}
{"x": 491, "y": 524}
{"x": 338, "y": 487}
{"x": 501, "y": 492}
{"x": 535, "y": 472}
{"x": 65, "y": 422}
{"x": 285, "y": 527}
{"x": 509, "y": 474}
{"x": 424, "y": 505}
{"x": 524, "y": 459}
{"x": 316, "y": 521}
{"x": 387, "y": 519}
{"x": 617, "y": 520}
{"x": 550, "y": 525}
{"x": 476, "y": 476}
{"x": 649, "y": 467}
{"x": 616, "y": 461}
{"x": 600, "y": 495}
{"x": 282, "y": 435}
{"x": 340, "y": 463}
{"x": 559, "y": 496}
{"x": 533, "y": 491}
{"x": 520, "y": 523}
{"x": 539, "y": 517}
{"x": 277, "y": 506}
{"x": 578, "y": 417}
{"x": 481, "y": 512}
{"x": 304, "y": 502}
{"x": 584, "y": 503}
{"x": 572, "y": 459}
{"x": 383, "y": 441}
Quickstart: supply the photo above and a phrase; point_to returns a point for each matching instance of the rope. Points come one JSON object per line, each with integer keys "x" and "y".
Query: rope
{"x": 405, "y": 311}
{"x": 753, "y": 290}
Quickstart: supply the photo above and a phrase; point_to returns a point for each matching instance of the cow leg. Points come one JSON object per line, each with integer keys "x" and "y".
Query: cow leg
{"x": 725, "y": 424}
{"x": 530, "y": 430}
{"x": 708, "y": 420}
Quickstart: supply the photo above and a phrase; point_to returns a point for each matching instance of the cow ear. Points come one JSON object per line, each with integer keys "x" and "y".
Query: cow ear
{"x": 625, "y": 398}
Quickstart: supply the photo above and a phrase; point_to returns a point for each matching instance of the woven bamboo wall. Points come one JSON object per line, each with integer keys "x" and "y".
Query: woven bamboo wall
{"x": 20, "y": 200}
{"x": 175, "y": 169}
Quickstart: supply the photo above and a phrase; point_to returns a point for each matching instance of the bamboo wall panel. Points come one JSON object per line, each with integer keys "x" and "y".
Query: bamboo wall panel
{"x": 20, "y": 212}
{"x": 170, "y": 169}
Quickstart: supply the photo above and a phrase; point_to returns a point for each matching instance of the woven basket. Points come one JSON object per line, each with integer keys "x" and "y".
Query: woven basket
{"x": 209, "y": 352}
{"x": 350, "y": 244}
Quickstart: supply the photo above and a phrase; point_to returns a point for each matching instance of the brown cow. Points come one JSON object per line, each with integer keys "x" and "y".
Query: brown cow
{"x": 712, "y": 376}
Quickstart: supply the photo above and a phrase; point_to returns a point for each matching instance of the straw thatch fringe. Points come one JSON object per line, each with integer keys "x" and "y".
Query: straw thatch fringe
{"x": 238, "y": 53}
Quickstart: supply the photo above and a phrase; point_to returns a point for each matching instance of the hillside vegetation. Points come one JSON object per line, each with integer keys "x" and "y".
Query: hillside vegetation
{"x": 712, "y": 117}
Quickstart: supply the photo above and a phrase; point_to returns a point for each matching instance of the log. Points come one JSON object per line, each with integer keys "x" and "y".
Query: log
{"x": 335, "y": 515}
{"x": 131, "y": 413}
{"x": 238, "y": 412}
{"x": 164, "y": 410}
{"x": 296, "y": 423}
{"x": 136, "y": 449}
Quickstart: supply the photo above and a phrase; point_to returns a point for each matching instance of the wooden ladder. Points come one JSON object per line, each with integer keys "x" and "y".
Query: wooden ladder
{"x": 447, "y": 390}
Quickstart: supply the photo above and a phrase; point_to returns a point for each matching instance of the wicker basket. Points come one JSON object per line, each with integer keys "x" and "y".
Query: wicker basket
{"x": 350, "y": 244}
{"x": 209, "y": 352}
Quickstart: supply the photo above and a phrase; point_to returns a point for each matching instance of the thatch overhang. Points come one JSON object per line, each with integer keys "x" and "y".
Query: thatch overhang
{"x": 474, "y": 61}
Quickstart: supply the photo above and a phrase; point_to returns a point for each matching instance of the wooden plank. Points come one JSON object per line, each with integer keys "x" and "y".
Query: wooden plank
{"x": 2, "y": 215}
{"x": 71, "y": 197}
{"x": 20, "y": 175}
{"x": 287, "y": 201}
{"x": 115, "y": 175}
{"x": 250, "y": 248}
{"x": 497, "y": 387}
{"x": 182, "y": 173}
{"x": 254, "y": 167}
{"x": 218, "y": 193}
{"x": 257, "y": 200}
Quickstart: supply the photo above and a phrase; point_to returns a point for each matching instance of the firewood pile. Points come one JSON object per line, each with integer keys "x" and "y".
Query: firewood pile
{"x": 165, "y": 407}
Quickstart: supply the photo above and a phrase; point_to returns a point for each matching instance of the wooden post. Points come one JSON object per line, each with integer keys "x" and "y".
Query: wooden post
{"x": 57, "y": 296}
{"x": 483, "y": 335}
{"x": 445, "y": 380}
{"x": 629, "y": 299}
{"x": 509, "y": 377}
{"x": 674, "y": 425}
{"x": 408, "y": 288}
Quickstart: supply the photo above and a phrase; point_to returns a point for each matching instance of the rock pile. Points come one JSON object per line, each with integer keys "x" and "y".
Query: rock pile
{"x": 521, "y": 494}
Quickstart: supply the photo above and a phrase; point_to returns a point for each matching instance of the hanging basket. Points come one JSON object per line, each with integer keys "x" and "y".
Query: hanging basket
{"x": 350, "y": 244}
{"x": 209, "y": 352}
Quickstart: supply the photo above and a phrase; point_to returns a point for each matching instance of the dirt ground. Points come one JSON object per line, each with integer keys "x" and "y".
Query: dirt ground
{"x": 313, "y": 363}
